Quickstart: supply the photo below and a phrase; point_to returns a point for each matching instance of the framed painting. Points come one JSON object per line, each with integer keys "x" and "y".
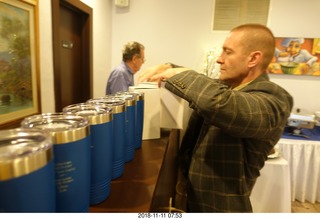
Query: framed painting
{"x": 19, "y": 67}
{"x": 296, "y": 56}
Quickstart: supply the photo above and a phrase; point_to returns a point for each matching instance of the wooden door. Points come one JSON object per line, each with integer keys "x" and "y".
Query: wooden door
{"x": 72, "y": 43}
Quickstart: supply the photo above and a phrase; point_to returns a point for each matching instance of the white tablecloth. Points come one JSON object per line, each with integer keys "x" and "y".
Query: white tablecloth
{"x": 303, "y": 157}
{"x": 271, "y": 193}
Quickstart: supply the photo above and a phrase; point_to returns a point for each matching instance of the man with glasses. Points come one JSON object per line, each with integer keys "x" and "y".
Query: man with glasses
{"x": 122, "y": 76}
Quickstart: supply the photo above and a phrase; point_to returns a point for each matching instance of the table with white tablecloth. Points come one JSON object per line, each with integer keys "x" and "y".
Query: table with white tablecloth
{"x": 303, "y": 156}
{"x": 271, "y": 193}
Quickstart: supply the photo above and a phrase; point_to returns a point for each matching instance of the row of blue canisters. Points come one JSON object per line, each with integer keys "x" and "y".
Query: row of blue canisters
{"x": 65, "y": 162}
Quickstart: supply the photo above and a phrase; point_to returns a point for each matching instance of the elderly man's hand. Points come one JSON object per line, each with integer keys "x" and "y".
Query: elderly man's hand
{"x": 166, "y": 74}
{"x": 149, "y": 72}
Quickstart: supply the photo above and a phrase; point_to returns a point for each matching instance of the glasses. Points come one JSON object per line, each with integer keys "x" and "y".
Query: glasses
{"x": 142, "y": 58}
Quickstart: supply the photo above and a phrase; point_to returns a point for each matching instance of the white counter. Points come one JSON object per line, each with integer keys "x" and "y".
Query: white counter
{"x": 162, "y": 110}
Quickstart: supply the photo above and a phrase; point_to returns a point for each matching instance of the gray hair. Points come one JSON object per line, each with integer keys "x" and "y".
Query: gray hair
{"x": 131, "y": 49}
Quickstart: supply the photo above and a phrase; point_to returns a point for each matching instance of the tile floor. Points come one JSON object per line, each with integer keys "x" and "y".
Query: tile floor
{"x": 305, "y": 207}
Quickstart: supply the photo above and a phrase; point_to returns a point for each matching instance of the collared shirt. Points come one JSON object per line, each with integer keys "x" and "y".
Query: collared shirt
{"x": 241, "y": 86}
{"x": 120, "y": 79}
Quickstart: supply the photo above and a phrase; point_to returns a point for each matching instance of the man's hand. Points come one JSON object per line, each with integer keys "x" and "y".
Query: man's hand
{"x": 166, "y": 75}
{"x": 150, "y": 72}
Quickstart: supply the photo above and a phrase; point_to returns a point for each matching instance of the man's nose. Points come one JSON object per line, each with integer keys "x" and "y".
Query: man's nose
{"x": 219, "y": 60}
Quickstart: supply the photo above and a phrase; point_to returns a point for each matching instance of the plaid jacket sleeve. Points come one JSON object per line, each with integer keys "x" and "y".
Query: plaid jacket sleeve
{"x": 255, "y": 111}
{"x": 228, "y": 138}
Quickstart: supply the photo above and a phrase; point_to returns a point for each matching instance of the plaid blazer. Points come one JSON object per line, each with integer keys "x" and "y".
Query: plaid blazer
{"x": 228, "y": 138}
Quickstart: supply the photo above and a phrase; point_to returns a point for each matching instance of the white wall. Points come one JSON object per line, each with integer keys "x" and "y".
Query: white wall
{"x": 297, "y": 18}
{"x": 178, "y": 31}
{"x": 171, "y": 30}
{"x": 46, "y": 57}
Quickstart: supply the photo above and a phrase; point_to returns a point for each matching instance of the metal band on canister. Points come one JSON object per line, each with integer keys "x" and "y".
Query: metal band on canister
{"x": 96, "y": 113}
{"x": 23, "y": 152}
{"x": 64, "y": 128}
{"x": 118, "y": 105}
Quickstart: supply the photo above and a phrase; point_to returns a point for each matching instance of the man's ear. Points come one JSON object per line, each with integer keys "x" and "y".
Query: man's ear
{"x": 255, "y": 58}
{"x": 134, "y": 58}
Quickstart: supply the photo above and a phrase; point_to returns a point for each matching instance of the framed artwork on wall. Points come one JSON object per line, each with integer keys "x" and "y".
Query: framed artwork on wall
{"x": 296, "y": 56}
{"x": 19, "y": 65}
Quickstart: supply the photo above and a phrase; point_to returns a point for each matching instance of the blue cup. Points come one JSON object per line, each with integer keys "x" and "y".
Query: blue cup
{"x": 72, "y": 155}
{"x": 101, "y": 129}
{"x": 131, "y": 112}
{"x": 27, "y": 182}
{"x": 139, "y": 118}
{"x": 119, "y": 140}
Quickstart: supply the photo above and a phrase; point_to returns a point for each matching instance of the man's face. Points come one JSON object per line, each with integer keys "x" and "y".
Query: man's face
{"x": 233, "y": 60}
{"x": 294, "y": 48}
{"x": 138, "y": 61}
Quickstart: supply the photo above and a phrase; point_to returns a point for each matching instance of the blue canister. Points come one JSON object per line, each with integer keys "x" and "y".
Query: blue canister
{"x": 139, "y": 118}
{"x": 27, "y": 181}
{"x": 119, "y": 140}
{"x": 71, "y": 147}
{"x": 131, "y": 105}
{"x": 101, "y": 129}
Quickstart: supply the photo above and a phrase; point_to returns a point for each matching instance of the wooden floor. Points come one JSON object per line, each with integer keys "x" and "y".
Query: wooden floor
{"x": 305, "y": 207}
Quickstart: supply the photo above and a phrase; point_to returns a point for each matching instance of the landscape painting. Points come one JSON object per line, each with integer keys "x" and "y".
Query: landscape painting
{"x": 18, "y": 61}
